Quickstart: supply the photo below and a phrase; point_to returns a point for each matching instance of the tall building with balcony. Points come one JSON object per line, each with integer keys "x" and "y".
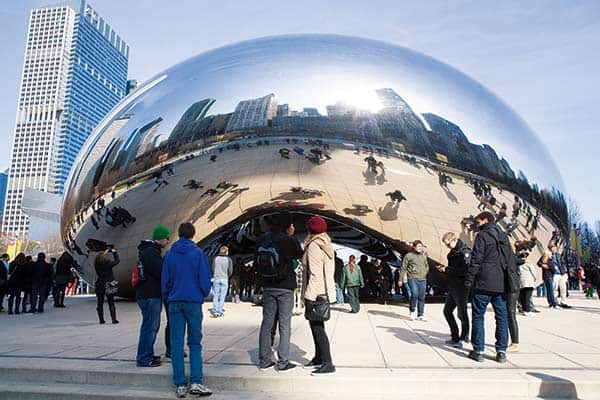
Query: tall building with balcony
{"x": 253, "y": 113}
{"x": 74, "y": 72}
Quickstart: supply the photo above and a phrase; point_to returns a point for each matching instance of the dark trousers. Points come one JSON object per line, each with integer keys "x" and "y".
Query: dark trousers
{"x": 110, "y": 298}
{"x": 277, "y": 306}
{"x": 353, "y": 298}
{"x": 58, "y": 294}
{"x": 2, "y": 295}
{"x": 457, "y": 298}
{"x": 26, "y": 298}
{"x": 14, "y": 298}
{"x": 513, "y": 326}
{"x": 525, "y": 299}
{"x": 150, "y": 309}
{"x": 322, "y": 350}
{"x": 38, "y": 297}
{"x": 479, "y": 304}
{"x": 417, "y": 298}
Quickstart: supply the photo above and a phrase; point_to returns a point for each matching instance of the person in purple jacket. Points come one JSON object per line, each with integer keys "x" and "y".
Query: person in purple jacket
{"x": 185, "y": 284}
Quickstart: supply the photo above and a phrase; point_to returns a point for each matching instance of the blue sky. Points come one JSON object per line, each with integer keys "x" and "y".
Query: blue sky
{"x": 541, "y": 57}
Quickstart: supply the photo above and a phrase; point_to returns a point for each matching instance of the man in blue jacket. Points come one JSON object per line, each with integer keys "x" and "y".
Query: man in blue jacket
{"x": 185, "y": 284}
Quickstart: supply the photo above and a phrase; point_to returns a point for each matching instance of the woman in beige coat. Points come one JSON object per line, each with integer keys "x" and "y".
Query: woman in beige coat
{"x": 319, "y": 261}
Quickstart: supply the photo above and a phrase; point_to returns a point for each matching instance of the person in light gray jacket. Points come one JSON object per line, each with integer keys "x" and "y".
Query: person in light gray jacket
{"x": 222, "y": 268}
{"x": 528, "y": 279}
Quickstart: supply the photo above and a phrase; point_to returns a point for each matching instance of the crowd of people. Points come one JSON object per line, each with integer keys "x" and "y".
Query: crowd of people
{"x": 285, "y": 276}
{"x": 28, "y": 284}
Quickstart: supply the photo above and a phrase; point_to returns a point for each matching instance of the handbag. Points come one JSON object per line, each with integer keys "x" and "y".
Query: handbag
{"x": 111, "y": 287}
{"x": 320, "y": 309}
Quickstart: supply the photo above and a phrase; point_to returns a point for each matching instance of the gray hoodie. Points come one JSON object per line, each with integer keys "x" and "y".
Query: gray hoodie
{"x": 222, "y": 267}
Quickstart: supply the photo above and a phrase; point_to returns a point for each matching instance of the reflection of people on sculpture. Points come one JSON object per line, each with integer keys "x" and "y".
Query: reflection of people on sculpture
{"x": 209, "y": 192}
{"x": 306, "y": 191}
{"x": 193, "y": 184}
{"x": 390, "y": 211}
{"x": 469, "y": 223}
{"x": 396, "y": 196}
{"x": 95, "y": 223}
{"x": 160, "y": 181}
{"x": 371, "y": 163}
{"x": 225, "y": 185}
{"x": 284, "y": 153}
{"x": 213, "y": 158}
{"x": 512, "y": 224}
{"x": 358, "y": 210}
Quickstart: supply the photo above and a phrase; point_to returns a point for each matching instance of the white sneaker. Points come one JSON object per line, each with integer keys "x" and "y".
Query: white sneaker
{"x": 198, "y": 389}
{"x": 181, "y": 392}
{"x": 422, "y": 318}
{"x": 413, "y": 316}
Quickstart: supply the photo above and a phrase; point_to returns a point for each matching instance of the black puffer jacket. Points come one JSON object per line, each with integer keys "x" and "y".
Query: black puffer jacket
{"x": 151, "y": 259}
{"x": 459, "y": 260}
{"x": 486, "y": 274}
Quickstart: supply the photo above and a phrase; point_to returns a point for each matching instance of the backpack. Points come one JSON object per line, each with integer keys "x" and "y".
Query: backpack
{"x": 267, "y": 261}
{"x": 137, "y": 275}
{"x": 508, "y": 261}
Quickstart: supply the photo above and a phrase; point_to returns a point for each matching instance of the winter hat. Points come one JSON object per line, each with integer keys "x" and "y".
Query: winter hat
{"x": 316, "y": 225}
{"x": 161, "y": 232}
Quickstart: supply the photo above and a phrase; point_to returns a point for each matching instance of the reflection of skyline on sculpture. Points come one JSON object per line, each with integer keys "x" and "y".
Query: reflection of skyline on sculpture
{"x": 257, "y": 126}
{"x": 316, "y": 71}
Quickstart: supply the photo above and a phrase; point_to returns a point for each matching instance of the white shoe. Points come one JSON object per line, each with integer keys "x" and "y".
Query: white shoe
{"x": 422, "y": 318}
{"x": 413, "y": 316}
{"x": 198, "y": 389}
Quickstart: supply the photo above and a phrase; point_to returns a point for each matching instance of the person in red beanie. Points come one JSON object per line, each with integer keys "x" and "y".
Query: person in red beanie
{"x": 318, "y": 260}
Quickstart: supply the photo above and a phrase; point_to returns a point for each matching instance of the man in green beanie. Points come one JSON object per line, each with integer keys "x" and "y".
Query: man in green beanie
{"x": 148, "y": 294}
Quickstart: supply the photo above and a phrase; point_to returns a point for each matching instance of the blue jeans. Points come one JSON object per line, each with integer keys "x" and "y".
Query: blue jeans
{"x": 339, "y": 294}
{"x": 182, "y": 314}
{"x": 150, "y": 324}
{"x": 417, "y": 298}
{"x": 479, "y": 305}
{"x": 219, "y": 288}
{"x": 549, "y": 285}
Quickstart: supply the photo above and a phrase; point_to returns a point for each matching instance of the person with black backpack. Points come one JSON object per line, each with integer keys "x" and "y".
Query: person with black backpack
{"x": 273, "y": 261}
{"x": 490, "y": 276}
{"x": 459, "y": 259}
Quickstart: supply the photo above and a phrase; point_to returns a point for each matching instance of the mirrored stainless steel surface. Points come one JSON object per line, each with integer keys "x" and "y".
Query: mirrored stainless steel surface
{"x": 384, "y": 141}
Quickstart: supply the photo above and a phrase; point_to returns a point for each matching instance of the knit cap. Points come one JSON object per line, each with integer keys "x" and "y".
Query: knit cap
{"x": 161, "y": 232}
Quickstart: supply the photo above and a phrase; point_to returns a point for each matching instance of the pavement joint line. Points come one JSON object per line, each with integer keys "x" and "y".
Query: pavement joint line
{"x": 373, "y": 330}
{"x": 566, "y": 338}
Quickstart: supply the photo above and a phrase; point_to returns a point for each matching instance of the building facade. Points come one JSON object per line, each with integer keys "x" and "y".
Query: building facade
{"x": 253, "y": 113}
{"x": 3, "y": 187}
{"x": 74, "y": 72}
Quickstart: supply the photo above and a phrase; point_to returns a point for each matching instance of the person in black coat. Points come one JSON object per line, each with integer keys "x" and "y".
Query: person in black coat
{"x": 337, "y": 276}
{"x": 26, "y": 284}
{"x": 459, "y": 259}
{"x": 62, "y": 278}
{"x": 104, "y": 264}
{"x": 15, "y": 282}
{"x": 3, "y": 278}
{"x": 41, "y": 282}
{"x": 486, "y": 278}
{"x": 148, "y": 296}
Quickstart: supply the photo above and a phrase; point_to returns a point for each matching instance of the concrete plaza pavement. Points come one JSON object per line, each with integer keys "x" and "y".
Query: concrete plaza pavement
{"x": 559, "y": 353}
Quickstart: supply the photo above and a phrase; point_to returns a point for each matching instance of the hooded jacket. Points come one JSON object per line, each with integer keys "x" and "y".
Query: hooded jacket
{"x": 150, "y": 257}
{"x": 486, "y": 274}
{"x": 185, "y": 273}
{"x": 288, "y": 249}
{"x": 320, "y": 265}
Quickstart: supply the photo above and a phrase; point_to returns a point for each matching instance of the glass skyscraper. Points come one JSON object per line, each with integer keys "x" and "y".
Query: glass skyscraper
{"x": 75, "y": 71}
